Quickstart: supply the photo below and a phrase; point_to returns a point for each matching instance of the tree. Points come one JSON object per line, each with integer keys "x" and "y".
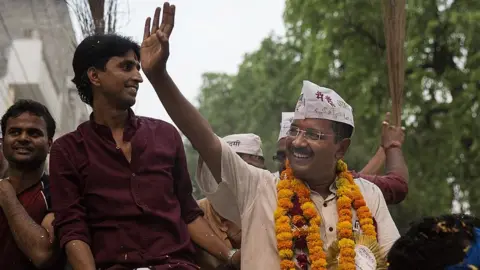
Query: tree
{"x": 92, "y": 17}
{"x": 340, "y": 44}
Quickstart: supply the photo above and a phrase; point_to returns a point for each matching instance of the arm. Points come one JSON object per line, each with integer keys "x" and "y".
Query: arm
{"x": 375, "y": 165}
{"x": 199, "y": 229}
{"x": 189, "y": 120}
{"x": 221, "y": 165}
{"x": 394, "y": 184}
{"x": 32, "y": 239}
{"x": 69, "y": 212}
{"x": 154, "y": 55}
{"x": 204, "y": 236}
{"x": 79, "y": 255}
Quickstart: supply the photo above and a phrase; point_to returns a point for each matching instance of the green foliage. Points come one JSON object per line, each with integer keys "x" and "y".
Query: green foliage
{"x": 340, "y": 44}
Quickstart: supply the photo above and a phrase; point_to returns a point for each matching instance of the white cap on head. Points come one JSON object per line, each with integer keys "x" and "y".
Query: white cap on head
{"x": 287, "y": 118}
{"x": 322, "y": 103}
{"x": 247, "y": 143}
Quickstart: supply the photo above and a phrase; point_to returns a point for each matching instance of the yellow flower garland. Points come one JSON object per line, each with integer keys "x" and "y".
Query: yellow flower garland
{"x": 289, "y": 189}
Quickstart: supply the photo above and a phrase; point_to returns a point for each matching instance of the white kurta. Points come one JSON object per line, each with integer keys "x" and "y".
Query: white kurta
{"x": 247, "y": 196}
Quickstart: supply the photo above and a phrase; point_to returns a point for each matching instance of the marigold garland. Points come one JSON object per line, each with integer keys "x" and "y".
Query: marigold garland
{"x": 297, "y": 223}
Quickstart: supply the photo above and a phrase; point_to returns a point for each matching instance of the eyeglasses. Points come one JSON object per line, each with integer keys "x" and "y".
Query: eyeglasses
{"x": 310, "y": 134}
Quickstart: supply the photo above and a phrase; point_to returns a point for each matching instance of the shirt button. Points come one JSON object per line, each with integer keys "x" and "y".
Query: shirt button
{"x": 330, "y": 229}
{"x": 116, "y": 147}
{"x": 133, "y": 174}
{"x": 325, "y": 204}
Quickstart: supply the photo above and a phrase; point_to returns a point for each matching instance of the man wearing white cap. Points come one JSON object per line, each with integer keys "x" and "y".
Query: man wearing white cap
{"x": 317, "y": 204}
{"x": 393, "y": 184}
{"x": 249, "y": 147}
{"x": 280, "y": 156}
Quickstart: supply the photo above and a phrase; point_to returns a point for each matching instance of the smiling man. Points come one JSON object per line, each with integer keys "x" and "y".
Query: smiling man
{"x": 25, "y": 222}
{"x": 393, "y": 184}
{"x": 121, "y": 191}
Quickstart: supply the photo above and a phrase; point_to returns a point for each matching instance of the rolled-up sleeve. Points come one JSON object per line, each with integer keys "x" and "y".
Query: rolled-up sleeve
{"x": 65, "y": 182}
{"x": 183, "y": 185}
{"x": 393, "y": 186}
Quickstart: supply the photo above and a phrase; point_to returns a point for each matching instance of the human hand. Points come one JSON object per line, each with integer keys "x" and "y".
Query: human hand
{"x": 392, "y": 136}
{"x": 155, "y": 48}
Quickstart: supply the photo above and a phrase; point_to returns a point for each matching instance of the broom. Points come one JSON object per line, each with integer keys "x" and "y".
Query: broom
{"x": 394, "y": 20}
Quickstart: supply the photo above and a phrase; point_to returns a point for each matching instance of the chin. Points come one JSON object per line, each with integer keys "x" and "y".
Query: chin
{"x": 300, "y": 171}
{"x": 128, "y": 103}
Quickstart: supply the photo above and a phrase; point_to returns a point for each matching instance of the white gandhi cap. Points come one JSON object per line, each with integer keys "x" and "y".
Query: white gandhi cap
{"x": 287, "y": 118}
{"x": 247, "y": 143}
{"x": 322, "y": 103}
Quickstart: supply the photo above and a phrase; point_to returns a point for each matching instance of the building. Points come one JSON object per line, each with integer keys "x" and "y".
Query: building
{"x": 37, "y": 42}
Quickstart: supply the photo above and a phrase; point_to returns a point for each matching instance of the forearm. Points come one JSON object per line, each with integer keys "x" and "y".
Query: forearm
{"x": 189, "y": 120}
{"x": 375, "y": 164}
{"x": 203, "y": 236}
{"x": 30, "y": 237}
{"x": 79, "y": 255}
{"x": 395, "y": 162}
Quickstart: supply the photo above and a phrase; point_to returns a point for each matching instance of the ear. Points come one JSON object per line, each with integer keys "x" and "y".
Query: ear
{"x": 342, "y": 148}
{"x": 93, "y": 76}
{"x": 49, "y": 145}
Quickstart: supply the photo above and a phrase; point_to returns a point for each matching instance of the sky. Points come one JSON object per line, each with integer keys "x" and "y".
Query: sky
{"x": 209, "y": 36}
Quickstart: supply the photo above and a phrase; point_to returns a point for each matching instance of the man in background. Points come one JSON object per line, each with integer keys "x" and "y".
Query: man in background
{"x": 249, "y": 148}
{"x": 26, "y": 233}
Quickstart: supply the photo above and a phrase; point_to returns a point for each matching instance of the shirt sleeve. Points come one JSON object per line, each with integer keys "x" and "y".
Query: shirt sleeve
{"x": 65, "y": 182}
{"x": 240, "y": 185}
{"x": 387, "y": 232}
{"x": 183, "y": 185}
{"x": 393, "y": 186}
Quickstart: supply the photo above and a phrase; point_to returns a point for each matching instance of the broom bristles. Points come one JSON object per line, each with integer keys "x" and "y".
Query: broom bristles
{"x": 394, "y": 19}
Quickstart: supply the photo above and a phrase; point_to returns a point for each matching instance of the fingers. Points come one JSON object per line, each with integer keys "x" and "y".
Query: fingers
{"x": 162, "y": 37}
{"x": 168, "y": 19}
{"x": 156, "y": 20}
{"x": 146, "y": 29}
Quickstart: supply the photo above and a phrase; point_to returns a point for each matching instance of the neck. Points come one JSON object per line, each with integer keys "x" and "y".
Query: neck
{"x": 106, "y": 115}
{"x": 322, "y": 186}
{"x": 22, "y": 179}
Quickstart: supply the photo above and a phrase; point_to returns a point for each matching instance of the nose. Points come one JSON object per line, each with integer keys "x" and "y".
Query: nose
{"x": 299, "y": 140}
{"x": 23, "y": 137}
{"x": 138, "y": 77}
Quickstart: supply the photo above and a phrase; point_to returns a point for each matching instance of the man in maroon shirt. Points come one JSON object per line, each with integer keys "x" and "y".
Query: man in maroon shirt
{"x": 121, "y": 191}
{"x": 25, "y": 225}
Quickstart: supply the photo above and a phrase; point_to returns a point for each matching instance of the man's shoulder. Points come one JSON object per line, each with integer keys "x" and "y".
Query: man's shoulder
{"x": 72, "y": 137}
{"x": 367, "y": 188}
{"x": 155, "y": 122}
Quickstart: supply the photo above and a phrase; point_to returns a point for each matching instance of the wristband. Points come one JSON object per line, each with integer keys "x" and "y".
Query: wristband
{"x": 231, "y": 253}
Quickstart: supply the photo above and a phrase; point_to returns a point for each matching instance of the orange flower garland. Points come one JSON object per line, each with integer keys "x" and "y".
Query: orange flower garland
{"x": 293, "y": 225}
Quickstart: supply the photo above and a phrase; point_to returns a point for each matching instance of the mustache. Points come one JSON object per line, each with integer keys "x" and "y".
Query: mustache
{"x": 301, "y": 150}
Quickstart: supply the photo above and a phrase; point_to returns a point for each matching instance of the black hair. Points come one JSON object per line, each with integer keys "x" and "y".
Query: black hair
{"x": 33, "y": 107}
{"x": 341, "y": 130}
{"x": 95, "y": 51}
{"x": 433, "y": 243}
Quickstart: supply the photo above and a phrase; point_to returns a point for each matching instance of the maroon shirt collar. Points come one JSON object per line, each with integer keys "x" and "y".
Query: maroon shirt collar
{"x": 131, "y": 126}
